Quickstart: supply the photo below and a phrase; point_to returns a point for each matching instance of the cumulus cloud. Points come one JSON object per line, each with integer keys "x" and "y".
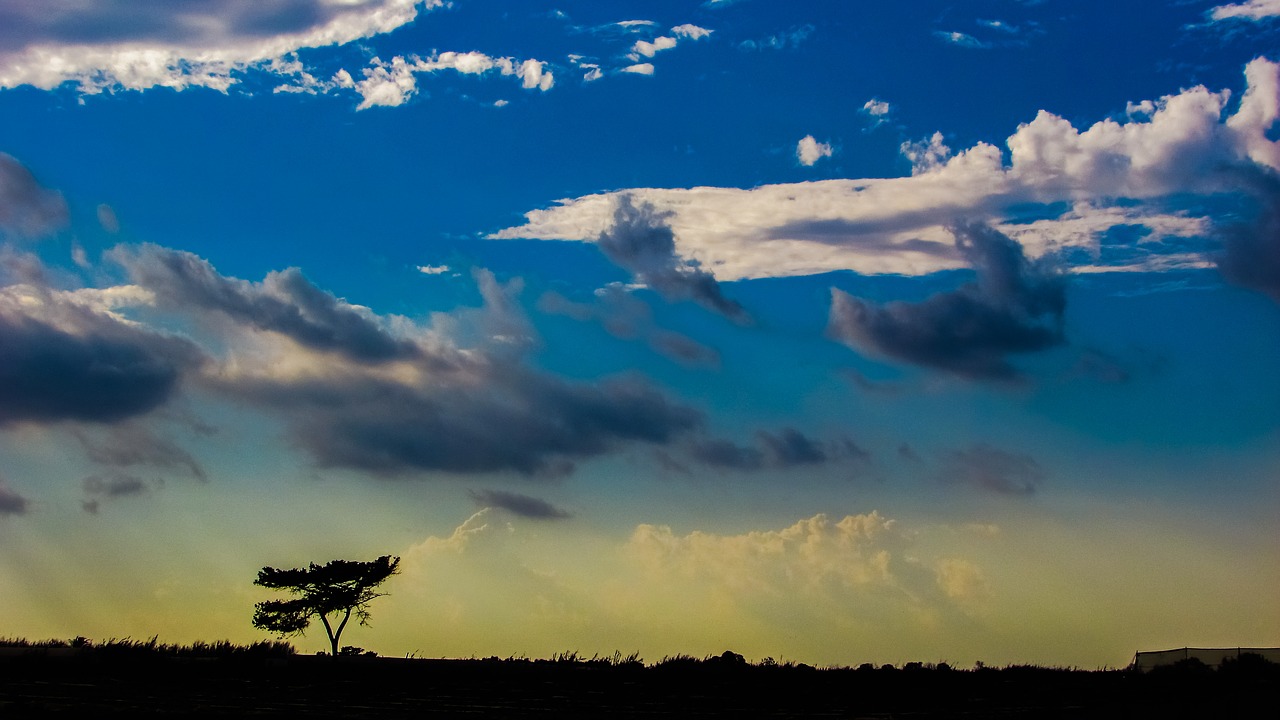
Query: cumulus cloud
{"x": 284, "y": 302}
{"x": 517, "y": 504}
{"x": 100, "y": 46}
{"x": 639, "y": 69}
{"x": 354, "y": 389}
{"x": 993, "y": 470}
{"x": 645, "y": 48}
{"x": 1251, "y": 10}
{"x": 452, "y": 397}
{"x": 640, "y": 241}
{"x": 876, "y": 108}
{"x": 393, "y": 83}
{"x": 65, "y": 358}
{"x": 386, "y": 84}
{"x": 693, "y": 32}
{"x": 810, "y": 151}
{"x": 1120, "y": 172}
{"x": 12, "y": 503}
{"x": 1013, "y": 307}
{"x": 27, "y": 208}
{"x": 855, "y": 576}
{"x": 649, "y": 48}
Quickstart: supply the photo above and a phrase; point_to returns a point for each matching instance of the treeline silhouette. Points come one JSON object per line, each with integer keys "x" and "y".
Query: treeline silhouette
{"x": 127, "y": 678}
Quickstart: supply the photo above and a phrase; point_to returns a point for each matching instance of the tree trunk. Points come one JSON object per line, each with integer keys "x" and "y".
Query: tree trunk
{"x": 328, "y": 630}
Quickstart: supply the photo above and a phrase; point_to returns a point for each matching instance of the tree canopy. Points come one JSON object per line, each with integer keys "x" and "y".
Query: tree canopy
{"x": 341, "y": 588}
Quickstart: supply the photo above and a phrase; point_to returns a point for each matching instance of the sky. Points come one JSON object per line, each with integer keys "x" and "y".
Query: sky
{"x": 824, "y": 331}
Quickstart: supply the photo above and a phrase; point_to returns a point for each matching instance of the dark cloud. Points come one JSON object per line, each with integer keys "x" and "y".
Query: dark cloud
{"x": 26, "y": 23}
{"x": 790, "y": 447}
{"x": 11, "y": 503}
{"x": 642, "y": 242}
{"x": 109, "y": 487}
{"x": 786, "y": 448}
{"x": 987, "y": 468}
{"x": 500, "y": 418}
{"x": 284, "y": 302}
{"x": 1251, "y": 251}
{"x": 471, "y": 409}
{"x": 27, "y": 209}
{"x": 522, "y": 505}
{"x": 725, "y": 454}
{"x": 89, "y": 368}
{"x": 132, "y": 446}
{"x": 1013, "y": 307}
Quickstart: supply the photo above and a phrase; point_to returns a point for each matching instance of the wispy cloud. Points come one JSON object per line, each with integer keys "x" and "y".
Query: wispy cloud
{"x": 786, "y": 448}
{"x": 27, "y": 208}
{"x": 624, "y": 316}
{"x": 517, "y": 504}
{"x": 960, "y": 39}
{"x": 785, "y": 40}
{"x": 993, "y": 470}
{"x": 12, "y": 503}
{"x": 1256, "y": 10}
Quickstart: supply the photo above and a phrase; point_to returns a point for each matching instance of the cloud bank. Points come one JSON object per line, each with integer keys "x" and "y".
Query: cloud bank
{"x": 1111, "y": 174}
{"x": 108, "y": 46}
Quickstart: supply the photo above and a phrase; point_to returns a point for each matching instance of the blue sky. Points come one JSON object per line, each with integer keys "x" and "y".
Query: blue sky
{"x": 841, "y": 332}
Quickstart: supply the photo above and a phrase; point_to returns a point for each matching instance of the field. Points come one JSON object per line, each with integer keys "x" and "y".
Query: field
{"x": 130, "y": 679}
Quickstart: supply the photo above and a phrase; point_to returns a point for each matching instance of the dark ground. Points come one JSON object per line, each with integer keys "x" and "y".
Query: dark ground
{"x": 66, "y": 683}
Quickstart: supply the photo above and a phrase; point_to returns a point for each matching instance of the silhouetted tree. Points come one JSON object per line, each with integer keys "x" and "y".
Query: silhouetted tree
{"x": 340, "y": 588}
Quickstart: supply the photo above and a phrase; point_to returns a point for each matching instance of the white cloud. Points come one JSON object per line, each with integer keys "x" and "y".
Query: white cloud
{"x": 876, "y": 108}
{"x": 534, "y": 76}
{"x": 693, "y": 32}
{"x": 1184, "y": 146}
{"x": 184, "y": 45}
{"x": 661, "y": 591}
{"x": 436, "y": 269}
{"x": 926, "y": 155}
{"x": 810, "y": 151}
{"x": 1251, "y": 10}
{"x": 386, "y": 84}
{"x": 855, "y": 551}
{"x": 392, "y": 84}
{"x": 960, "y": 39}
{"x": 643, "y": 48}
{"x": 639, "y": 69}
